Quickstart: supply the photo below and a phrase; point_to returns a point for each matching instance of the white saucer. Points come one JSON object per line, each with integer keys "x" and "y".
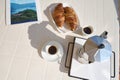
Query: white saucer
{"x": 49, "y": 57}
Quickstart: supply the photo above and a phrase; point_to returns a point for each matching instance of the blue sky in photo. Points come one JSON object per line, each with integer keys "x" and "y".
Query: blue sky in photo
{"x": 22, "y": 1}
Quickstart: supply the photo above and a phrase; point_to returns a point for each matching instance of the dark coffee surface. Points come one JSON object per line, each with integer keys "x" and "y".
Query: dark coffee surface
{"x": 52, "y": 50}
{"x": 87, "y": 30}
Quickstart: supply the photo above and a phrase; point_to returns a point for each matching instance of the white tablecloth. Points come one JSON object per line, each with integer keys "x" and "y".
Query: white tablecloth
{"x": 20, "y": 44}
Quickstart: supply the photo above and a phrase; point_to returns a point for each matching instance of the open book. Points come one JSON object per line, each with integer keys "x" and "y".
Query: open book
{"x": 20, "y": 11}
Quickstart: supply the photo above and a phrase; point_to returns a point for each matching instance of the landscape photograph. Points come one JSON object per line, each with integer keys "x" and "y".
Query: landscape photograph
{"x": 23, "y": 11}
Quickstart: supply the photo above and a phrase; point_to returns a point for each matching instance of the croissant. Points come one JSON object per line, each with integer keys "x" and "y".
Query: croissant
{"x": 71, "y": 18}
{"x": 58, "y": 15}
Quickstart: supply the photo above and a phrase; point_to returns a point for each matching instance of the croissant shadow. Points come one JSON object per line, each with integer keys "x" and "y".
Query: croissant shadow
{"x": 48, "y": 14}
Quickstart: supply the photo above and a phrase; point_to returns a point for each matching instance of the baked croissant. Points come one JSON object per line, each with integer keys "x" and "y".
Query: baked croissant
{"x": 71, "y": 18}
{"x": 58, "y": 15}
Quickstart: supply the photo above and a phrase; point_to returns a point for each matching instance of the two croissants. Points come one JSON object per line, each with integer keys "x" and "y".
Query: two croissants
{"x": 66, "y": 15}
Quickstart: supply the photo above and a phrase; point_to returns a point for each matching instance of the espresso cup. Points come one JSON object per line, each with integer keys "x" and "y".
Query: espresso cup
{"x": 52, "y": 51}
{"x": 87, "y": 30}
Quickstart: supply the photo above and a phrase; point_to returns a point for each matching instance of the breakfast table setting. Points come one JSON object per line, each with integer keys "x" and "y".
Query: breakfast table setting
{"x": 70, "y": 40}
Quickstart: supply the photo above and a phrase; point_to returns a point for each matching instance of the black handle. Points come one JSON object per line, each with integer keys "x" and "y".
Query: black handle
{"x": 67, "y": 66}
{"x": 104, "y": 34}
{"x": 69, "y": 46}
{"x": 113, "y": 76}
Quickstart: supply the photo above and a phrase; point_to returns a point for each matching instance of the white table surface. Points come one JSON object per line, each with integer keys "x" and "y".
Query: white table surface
{"x": 20, "y": 44}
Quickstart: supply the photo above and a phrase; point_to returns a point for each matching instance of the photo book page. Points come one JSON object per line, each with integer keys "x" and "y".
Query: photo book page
{"x": 21, "y": 11}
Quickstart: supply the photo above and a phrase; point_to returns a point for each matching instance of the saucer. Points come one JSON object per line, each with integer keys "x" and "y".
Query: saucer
{"x": 49, "y": 57}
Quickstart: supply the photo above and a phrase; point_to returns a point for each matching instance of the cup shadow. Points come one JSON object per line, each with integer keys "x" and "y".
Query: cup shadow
{"x": 36, "y": 32}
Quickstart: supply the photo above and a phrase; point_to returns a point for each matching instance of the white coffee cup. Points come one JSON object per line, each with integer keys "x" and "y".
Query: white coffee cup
{"x": 87, "y": 30}
{"x": 52, "y": 51}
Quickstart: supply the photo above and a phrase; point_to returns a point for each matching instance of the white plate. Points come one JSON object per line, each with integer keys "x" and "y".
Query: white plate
{"x": 63, "y": 29}
{"x": 49, "y": 57}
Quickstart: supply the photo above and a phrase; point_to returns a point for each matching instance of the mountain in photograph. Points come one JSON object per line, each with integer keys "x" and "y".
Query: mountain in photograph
{"x": 24, "y": 16}
{"x": 15, "y": 8}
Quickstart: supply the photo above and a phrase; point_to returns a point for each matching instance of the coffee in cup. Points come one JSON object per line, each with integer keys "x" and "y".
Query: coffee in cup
{"x": 52, "y": 50}
{"x": 87, "y": 30}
